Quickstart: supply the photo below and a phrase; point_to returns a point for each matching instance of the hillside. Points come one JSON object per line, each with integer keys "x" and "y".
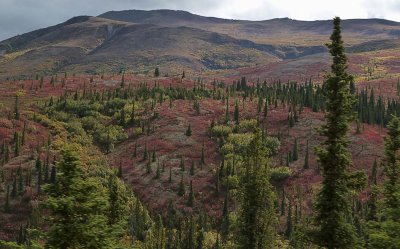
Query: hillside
{"x": 163, "y": 129}
{"x": 139, "y": 41}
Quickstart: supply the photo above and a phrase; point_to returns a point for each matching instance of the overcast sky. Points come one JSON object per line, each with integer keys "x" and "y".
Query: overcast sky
{"x": 20, "y": 16}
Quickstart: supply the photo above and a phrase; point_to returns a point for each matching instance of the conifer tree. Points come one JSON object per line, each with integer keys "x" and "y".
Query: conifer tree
{"x": 295, "y": 153}
{"x": 334, "y": 229}
{"x": 39, "y": 175}
{"x": 119, "y": 173}
{"x": 192, "y": 169}
{"x": 289, "y": 224}
{"x": 257, "y": 217}
{"x": 217, "y": 182}
{"x": 77, "y": 226}
{"x": 225, "y": 224}
{"x": 7, "y": 202}
{"x": 182, "y": 164}
{"x": 170, "y": 175}
{"x": 386, "y": 233}
{"x": 188, "y": 131}
{"x": 191, "y": 195}
{"x": 181, "y": 188}
{"x": 236, "y": 113}
{"x": 23, "y": 134}
{"x": 153, "y": 156}
{"x": 16, "y": 106}
{"x": 20, "y": 182}
{"x": 156, "y": 72}
{"x": 53, "y": 174}
{"x": 306, "y": 165}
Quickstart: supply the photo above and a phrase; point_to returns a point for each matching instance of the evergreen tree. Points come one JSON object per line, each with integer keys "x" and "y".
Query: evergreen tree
{"x": 39, "y": 175}
{"x": 191, "y": 195}
{"x": 188, "y": 131}
{"x": 170, "y": 175}
{"x": 76, "y": 208}
{"x": 306, "y": 165}
{"x": 16, "y": 106}
{"x": 117, "y": 211}
{"x": 236, "y": 113}
{"x": 257, "y": 218}
{"x": 182, "y": 164}
{"x": 225, "y": 225}
{"x": 192, "y": 169}
{"x": 119, "y": 173}
{"x": 181, "y": 188}
{"x": 20, "y": 182}
{"x": 295, "y": 153}
{"x": 334, "y": 229}
{"x": 17, "y": 144}
{"x": 7, "y": 202}
{"x": 289, "y": 224}
{"x": 156, "y": 72}
{"x": 53, "y": 174}
{"x": 386, "y": 233}
{"x": 14, "y": 190}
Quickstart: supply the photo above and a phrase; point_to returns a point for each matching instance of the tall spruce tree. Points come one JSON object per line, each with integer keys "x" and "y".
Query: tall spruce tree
{"x": 334, "y": 229}
{"x": 386, "y": 233}
{"x": 77, "y": 209}
{"x": 257, "y": 218}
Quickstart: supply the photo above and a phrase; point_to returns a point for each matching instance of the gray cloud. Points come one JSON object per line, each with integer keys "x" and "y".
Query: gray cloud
{"x": 20, "y": 16}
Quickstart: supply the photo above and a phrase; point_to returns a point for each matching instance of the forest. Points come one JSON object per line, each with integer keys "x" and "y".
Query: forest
{"x": 173, "y": 161}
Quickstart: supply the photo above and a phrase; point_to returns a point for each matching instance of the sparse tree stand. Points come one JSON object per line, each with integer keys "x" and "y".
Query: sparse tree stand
{"x": 334, "y": 229}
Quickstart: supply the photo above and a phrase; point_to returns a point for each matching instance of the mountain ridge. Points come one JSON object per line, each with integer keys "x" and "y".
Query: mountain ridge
{"x": 179, "y": 40}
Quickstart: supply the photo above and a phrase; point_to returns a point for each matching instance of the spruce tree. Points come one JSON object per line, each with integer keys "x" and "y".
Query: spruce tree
{"x": 16, "y": 106}
{"x": 334, "y": 228}
{"x": 182, "y": 164}
{"x": 53, "y": 174}
{"x": 289, "y": 224}
{"x": 188, "y": 131}
{"x": 192, "y": 169}
{"x": 257, "y": 218}
{"x": 191, "y": 195}
{"x": 156, "y": 72}
{"x": 295, "y": 153}
{"x": 236, "y": 113}
{"x": 385, "y": 232}
{"x": 181, "y": 188}
{"x": 306, "y": 165}
{"x": 7, "y": 202}
{"x": 77, "y": 205}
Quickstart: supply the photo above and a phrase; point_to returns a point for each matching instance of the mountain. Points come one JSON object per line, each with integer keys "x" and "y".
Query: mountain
{"x": 138, "y": 41}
